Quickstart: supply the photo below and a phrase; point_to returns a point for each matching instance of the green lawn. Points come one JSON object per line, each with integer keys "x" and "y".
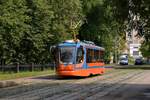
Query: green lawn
{"x": 8, "y": 76}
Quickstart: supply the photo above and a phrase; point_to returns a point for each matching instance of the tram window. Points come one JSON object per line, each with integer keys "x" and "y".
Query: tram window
{"x": 80, "y": 55}
{"x": 93, "y": 56}
{"x": 96, "y": 56}
{"x": 89, "y": 55}
{"x": 66, "y": 55}
{"x": 101, "y": 55}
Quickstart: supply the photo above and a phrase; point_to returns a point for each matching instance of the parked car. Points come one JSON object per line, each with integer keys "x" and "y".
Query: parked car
{"x": 138, "y": 61}
{"x": 123, "y": 61}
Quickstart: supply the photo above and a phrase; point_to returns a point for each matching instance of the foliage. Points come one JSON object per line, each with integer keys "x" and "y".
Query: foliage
{"x": 34, "y": 43}
{"x": 142, "y": 9}
{"x": 66, "y": 16}
{"x": 29, "y": 27}
{"x": 101, "y": 26}
{"x": 13, "y": 24}
{"x": 145, "y": 48}
{"x": 135, "y": 14}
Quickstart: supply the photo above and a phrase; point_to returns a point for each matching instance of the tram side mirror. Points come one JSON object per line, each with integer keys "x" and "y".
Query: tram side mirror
{"x": 53, "y": 52}
{"x": 52, "y": 49}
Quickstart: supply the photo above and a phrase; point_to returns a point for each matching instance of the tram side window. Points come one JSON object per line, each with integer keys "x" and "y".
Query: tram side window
{"x": 96, "y": 56}
{"x": 93, "y": 56}
{"x": 101, "y": 56}
{"x": 80, "y": 55}
{"x": 89, "y": 55}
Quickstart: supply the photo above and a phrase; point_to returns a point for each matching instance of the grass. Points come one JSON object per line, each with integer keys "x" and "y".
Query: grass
{"x": 8, "y": 76}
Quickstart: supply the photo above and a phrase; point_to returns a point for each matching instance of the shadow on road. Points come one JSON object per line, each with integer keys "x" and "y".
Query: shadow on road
{"x": 56, "y": 77}
{"x": 47, "y": 77}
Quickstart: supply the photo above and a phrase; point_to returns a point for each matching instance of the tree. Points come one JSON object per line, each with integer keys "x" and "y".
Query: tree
{"x": 66, "y": 16}
{"x": 13, "y": 24}
{"x": 127, "y": 10}
{"x": 101, "y": 26}
{"x": 142, "y": 9}
{"x": 29, "y": 27}
{"x": 35, "y": 44}
{"x": 145, "y": 48}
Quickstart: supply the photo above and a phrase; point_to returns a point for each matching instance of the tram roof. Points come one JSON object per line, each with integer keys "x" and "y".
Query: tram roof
{"x": 86, "y": 44}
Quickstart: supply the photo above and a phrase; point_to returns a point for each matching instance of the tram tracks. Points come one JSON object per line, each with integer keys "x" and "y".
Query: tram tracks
{"x": 113, "y": 87}
{"x": 27, "y": 88}
{"x": 54, "y": 86}
{"x": 129, "y": 89}
{"x": 93, "y": 89}
{"x": 75, "y": 89}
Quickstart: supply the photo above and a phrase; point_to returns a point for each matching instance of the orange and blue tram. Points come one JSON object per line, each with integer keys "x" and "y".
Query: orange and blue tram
{"x": 76, "y": 58}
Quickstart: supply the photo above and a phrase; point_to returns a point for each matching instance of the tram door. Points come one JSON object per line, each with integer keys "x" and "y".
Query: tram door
{"x": 79, "y": 58}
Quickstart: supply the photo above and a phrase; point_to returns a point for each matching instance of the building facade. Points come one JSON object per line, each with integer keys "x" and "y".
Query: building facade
{"x": 133, "y": 44}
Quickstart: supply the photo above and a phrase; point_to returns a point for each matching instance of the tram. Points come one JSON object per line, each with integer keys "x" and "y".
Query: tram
{"x": 78, "y": 58}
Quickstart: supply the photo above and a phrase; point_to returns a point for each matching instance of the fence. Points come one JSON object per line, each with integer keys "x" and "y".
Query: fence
{"x": 30, "y": 67}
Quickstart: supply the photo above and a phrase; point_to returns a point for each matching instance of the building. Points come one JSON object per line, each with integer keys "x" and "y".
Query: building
{"x": 133, "y": 44}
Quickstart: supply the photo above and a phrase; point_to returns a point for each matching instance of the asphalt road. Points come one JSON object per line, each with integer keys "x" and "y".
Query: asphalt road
{"x": 115, "y": 84}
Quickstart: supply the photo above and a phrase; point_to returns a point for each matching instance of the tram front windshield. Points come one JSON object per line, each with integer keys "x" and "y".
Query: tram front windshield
{"x": 67, "y": 55}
